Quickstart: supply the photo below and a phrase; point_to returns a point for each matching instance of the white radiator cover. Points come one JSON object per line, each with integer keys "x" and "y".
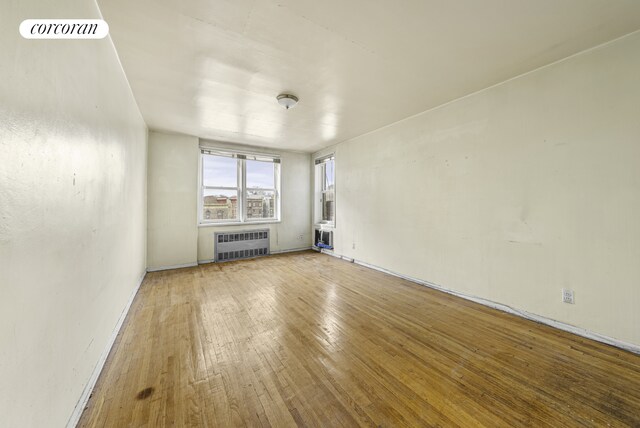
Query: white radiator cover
{"x": 241, "y": 244}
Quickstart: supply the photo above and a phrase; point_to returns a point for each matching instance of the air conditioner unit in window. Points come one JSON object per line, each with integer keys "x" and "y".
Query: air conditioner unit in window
{"x": 323, "y": 239}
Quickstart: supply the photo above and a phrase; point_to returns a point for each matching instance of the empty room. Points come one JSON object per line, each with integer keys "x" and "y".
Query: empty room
{"x": 257, "y": 213}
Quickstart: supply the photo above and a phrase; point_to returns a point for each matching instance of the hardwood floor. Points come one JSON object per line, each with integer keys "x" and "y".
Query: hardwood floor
{"x": 309, "y": 340}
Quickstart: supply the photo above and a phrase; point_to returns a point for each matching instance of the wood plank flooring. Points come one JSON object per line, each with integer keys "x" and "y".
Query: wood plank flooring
{"x": 305, "y": 339}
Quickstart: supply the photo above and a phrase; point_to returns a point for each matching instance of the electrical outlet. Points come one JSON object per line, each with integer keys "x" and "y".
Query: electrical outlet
{"x": 567, "y": 296}
{"x": 300, "y": 237}
{"x": 353, "y": 246}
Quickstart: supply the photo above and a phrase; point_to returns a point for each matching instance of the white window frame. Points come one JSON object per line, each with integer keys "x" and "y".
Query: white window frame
{"x": 241, "y": 189}
{"x": 319, "y": 189}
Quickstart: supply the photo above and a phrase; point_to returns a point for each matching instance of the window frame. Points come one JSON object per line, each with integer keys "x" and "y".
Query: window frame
{"x": 320, "y": 189}
{"x": 241, "y": 188}
{"x": 202, "y": 188}
{"x": 276, "y": 191}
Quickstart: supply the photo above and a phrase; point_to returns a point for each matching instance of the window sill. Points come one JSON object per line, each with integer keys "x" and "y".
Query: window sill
{"x": 239, "y": 223}
{"x": 325, "y": 225}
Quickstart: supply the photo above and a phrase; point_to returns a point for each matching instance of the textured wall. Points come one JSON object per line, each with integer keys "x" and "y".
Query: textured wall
{"x": 172, "y": 200}
{"x": 72, "y": 211}
{"x": 512, "y": 193}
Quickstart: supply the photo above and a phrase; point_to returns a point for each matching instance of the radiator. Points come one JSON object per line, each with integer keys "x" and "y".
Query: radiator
{"x": 241, "y": 245}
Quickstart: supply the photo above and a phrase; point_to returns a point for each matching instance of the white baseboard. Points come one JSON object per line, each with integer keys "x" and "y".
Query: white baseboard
{"x": 337, "y": 256}
{"x": 91, "y": 383}
{"x": 159, "y": 268}
{"x": 501, "y": 307}
{"x": 293, "y": 250}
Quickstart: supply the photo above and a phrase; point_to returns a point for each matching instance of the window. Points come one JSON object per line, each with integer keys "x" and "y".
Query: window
{"x": 220, "y": 188}
{"x": 261, "y": 189}
{"x": 239, "y": 188}
{"x": 325, "y": 190}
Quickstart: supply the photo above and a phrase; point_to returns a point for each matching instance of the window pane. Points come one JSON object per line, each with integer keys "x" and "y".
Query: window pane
{"x": 329, "y": 175}
{"x": 260, "y": 174}
{"x": 328, "y": 206}
{"x": 261, "y": 204}
{"x": 219, "y": 171}
{"x": 220, "y": 204}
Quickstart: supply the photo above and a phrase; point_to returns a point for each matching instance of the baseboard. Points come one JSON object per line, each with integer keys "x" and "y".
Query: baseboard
{"x": 88, "y": 389}
{"x": 159, "y": 268}
{"x": 338, "y": 256}
{"x": 291, "y": 250}
{"x": 504, "y": 308}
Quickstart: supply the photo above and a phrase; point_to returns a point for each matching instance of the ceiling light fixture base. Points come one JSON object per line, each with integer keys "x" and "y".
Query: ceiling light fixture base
{"x": 287, "y": 100}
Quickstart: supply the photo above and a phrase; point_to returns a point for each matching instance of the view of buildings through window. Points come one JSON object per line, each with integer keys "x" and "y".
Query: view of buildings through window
{"x": 261, "y": 189}
{"x": 222, "y": 189}
{"x": 327, "y": 174}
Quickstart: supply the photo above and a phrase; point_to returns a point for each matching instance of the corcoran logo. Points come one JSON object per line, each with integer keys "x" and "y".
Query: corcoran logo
{"x": 64, "y": 29}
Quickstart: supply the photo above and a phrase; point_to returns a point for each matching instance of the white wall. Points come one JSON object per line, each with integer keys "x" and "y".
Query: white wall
{"x": 72, "y": 211}
{"x": 172, "y": 238}
{"x": 512, "y": 193}
{"x": 174, "y": 235}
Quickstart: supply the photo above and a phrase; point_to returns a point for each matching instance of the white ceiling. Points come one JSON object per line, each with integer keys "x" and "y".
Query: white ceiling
{"x": 213, "y": 68}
